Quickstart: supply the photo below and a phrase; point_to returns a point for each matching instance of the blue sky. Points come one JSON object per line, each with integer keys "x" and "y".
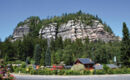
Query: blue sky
{"x": 113, "y": 12}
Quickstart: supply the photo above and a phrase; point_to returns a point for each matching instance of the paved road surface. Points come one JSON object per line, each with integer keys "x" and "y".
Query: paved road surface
{"x": 89, "y": 77}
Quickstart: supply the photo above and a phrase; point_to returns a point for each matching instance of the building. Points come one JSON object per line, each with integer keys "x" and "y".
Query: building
{"x": 112, "y": 66}
{"x": 99, "y": 66}
{"x": 88, "y": 63}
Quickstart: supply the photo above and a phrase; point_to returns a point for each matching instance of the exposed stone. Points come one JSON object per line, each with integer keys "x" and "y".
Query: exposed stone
{"x": 49, "y": 31}
{"x": 73, "y": 29}
{"x": 20, "y": 31}
{"x": 76, "y": 29}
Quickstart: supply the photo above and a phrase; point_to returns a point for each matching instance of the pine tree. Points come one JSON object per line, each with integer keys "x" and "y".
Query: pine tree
{"x": 48, "y": 58}
{"x": 37, "y": 54}
{"x": 42, "y": 60}
{"x": 48, "y": 55}
{"x": 125, "y": 46}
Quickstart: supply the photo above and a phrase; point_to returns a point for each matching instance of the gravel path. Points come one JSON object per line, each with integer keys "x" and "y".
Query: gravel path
{"x": 89, "y": 77}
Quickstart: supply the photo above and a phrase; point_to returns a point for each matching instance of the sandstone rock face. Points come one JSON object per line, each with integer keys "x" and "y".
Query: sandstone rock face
{"x": 76, "y": 29}
{"x": 49, "y": 31}
{"x": 20, "y": 31}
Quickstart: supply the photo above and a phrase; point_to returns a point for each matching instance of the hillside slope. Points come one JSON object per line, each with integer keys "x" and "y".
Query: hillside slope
{"x": 68, "y": 26}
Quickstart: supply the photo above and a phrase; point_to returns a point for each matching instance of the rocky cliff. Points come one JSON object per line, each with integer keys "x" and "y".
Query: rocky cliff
{"x": 70, "y": 26}
{"x": 20, "y": 31}
{"x": 27, "y": 26}
{"x": 76, "y": 29}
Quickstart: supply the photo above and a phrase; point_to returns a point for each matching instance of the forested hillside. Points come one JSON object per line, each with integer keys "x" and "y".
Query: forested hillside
{"x": 35, "y": 48}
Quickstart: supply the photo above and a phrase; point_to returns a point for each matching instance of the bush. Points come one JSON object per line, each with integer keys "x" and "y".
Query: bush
{"x": 110, "y": 71}
{"x": 71, "y": 72}
{"x": 105, "y": 68}
{"x": 114, "y": 71}
{"x": 11, "y": 69}
{"x": 122, "y": 71}
{"x": 11, "y": 77}
{"x": 68, "y": 72}
{"x": 0, "y": 77}
{"x": 16, "y": 69}
{"x": 75, "y": 73}
{"x": 125, "y": 70}
{"x": 23, "y": 70}
{"x": 100, "y": 72}
{"x": 33, "y": 72}
{"x": 61, "y": 72}
{"x": 86, "y": 72}
{"x": 23, "y": 65}
{"x": 78, "y": 67}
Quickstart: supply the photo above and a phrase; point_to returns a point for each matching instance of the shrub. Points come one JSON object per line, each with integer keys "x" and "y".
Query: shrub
{"x": 33, "y": 71}
{"x": 18, "y": 62}
{"x": 32, "y": 61}
{"x": 11, "y": 68}
{"x": 110, "y": 71}
{"x": 122, "y": 71}
{"x": 11, "y": 77}
{"x": 100, "y": 72}
{"x": 68, "y": 72}
{"x": 23, "y": 65}
{"x": 78, "y": 67}
{"x": 86, "y": 72}
{"x": 75, "y": 73}
{"x": 105, "y": 68}
{"x": 23, "y": 70}
{"x": 61, "y": 72}
{"x": 0, "y": 77}
{"x": 125, "y": 70}
{"x": 16, "y": 69}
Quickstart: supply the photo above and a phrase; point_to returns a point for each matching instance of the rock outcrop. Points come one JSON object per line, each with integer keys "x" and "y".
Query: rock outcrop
{"x": 20, "y": 31}
{"x": 76, "y": 29}
{"x": 49, "y": 31}
{"x": 73, "y": 29}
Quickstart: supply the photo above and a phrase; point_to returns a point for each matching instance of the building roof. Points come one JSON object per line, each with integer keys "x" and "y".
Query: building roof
{"x": 112, "y": 66}
{"x": 85, "y": 61}
{"x": 97, "y": 67}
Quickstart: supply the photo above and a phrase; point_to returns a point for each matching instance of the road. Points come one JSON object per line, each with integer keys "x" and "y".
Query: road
{"x": 86, "y": 77}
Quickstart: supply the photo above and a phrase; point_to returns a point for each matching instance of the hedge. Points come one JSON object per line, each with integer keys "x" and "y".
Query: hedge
{"x": 70, "y": 72}
{"x": 114, "y": 71}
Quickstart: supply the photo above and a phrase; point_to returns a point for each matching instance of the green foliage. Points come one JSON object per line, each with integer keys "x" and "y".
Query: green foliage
{"x": 20, "y": 24}
{"x": 125, "y": 46}
{"x": 17, "y": 62}
{"x": 86, "y": 18}
{"x": 50, "y": 72}
{"x": 100, "y": 72}
{"x": 47, "y": 71}
{"x": 59, "y": 56}
{"x": 107, "y": 28}
{"x": 66, "y": 51}
{"x": 48, "y": 57}
{"x": 0, "y": 77}
{"x": 68, "y": 55}
{"x": 37, "y": 54}
{"x": 114, "y": 71}
{"x": 58, "y": 72}
{"x": 23, "y": 65}
{"x": 105, "y": 68}
{"x": 78, "y": 67}
{"x": 34, "y": 23}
